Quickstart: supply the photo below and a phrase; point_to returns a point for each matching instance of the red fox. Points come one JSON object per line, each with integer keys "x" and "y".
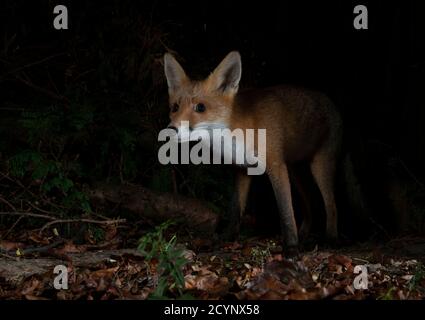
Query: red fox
{"x": 300, "y": 125}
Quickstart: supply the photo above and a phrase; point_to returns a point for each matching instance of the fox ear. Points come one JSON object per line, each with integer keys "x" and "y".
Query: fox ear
{"x": 227, "y": 75}
{"x": 174, "y": 72}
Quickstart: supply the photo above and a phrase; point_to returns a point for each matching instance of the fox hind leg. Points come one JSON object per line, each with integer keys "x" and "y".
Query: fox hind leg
{"x": 307, "y": 221}
{"x": 323, "y": 167}
{"x": 278, "y": 174}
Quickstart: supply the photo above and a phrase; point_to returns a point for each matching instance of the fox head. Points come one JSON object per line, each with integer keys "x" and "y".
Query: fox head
{"x": 205, "y": 104}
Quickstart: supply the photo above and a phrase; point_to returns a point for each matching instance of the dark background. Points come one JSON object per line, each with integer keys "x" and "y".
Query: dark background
{"x": 84, "y": 105}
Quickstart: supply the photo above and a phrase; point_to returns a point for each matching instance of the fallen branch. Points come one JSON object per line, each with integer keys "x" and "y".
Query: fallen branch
{"x": 29, "y": 250}
{"x": 159, "y": 207}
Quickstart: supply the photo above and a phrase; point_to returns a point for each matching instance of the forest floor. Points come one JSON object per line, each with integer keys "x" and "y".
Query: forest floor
{"x": 250, "y": 269}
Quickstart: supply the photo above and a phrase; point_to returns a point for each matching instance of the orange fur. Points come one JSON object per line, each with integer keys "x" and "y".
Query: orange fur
{"x": 301, "y": 125}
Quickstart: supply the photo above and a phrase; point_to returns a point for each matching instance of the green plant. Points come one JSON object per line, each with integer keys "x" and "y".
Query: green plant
{"x": 98, "y": 234}
{"x": 51, "y": 176}
{"x": 388, "y": 295}
{"x": 417, "y": 277}
{"x": 260, "y": 255}
{"x": 154, "y": 246}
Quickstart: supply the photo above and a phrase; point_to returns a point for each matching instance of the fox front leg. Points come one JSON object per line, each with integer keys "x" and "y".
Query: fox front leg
{"x": 238, "y": 205}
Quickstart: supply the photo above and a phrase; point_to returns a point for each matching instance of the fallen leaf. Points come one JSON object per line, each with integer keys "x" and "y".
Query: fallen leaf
{"x": 69, "y": 247}
{"x": 104, "y": 272}
{"x": 9, "y": 246}
{"x": 32, "y": 297}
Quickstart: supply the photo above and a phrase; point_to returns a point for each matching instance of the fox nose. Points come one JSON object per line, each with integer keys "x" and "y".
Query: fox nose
{"x": 173, "y": 128}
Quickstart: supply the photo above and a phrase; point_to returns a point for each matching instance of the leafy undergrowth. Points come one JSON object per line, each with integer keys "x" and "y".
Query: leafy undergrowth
{"x": 162, "y": 268}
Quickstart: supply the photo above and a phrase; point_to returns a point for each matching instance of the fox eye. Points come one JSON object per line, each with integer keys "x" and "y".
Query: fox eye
{"x": 200, "y": 107}
{"x": 174, "y": 107}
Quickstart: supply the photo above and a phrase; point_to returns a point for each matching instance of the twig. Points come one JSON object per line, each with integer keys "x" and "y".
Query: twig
{"x": 362, "y": 260}
{"x": 42, "y": 90}
{"x": 26, "y": 189}
{"x": 18, "y": 183}
{"x": 410, "y": 173}
{"x": 107, "y": 222}
{"x": 6, "y": 176}
{"x": 104, "y": 245}
{"x": 56, "y": 221}
{"x": 27, "y": 214}
{"x": 380, "y": 227}
{"x": 12, "y": 227}
{"x": 8, "y": 203}
{"x": 5, "y": 255}
{"x": 12, "y": 109}
{"x": 32, "y": 64}
{"x": 83, "y": 74}
{"x": 41, "y": 210}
